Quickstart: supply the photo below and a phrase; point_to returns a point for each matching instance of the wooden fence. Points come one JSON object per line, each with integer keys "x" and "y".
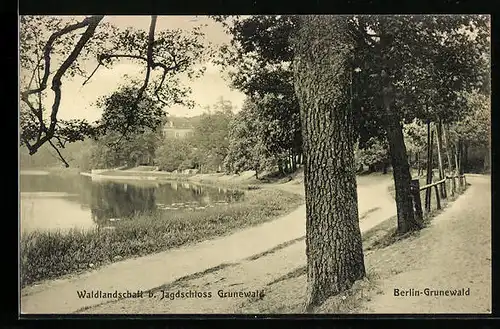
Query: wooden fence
{"x": 440, "y": 192}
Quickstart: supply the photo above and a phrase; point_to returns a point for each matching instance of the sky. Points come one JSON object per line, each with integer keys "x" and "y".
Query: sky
{"x": 77, "y": 100}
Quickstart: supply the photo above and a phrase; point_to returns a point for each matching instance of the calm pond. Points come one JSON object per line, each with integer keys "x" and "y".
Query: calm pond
{"x": 56, "y": 202}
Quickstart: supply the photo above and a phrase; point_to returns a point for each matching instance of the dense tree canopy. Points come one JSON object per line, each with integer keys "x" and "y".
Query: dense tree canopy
{"x": 260, "y": 55}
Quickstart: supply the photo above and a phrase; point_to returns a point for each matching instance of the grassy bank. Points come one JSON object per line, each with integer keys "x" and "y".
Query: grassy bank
{"x": 49, "y": 255}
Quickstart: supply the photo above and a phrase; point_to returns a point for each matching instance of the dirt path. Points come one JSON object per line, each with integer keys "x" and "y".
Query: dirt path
{"x": 252, "y": 274}
{"x": 454, "y": 252}
{"x": 150, "y": 272}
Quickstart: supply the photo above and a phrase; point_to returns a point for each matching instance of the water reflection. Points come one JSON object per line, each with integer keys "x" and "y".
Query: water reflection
{"x": 65, "y": 202}
{"x": 115, "y": 201}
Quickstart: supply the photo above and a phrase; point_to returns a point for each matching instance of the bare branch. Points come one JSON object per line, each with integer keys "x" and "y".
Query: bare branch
{"x": 59, "y": 153}
{"x": 35, "y": 70}
{"x": 27, "y": 143}
{"x": 49, "y": 45}
{"x": 92, "y": 74}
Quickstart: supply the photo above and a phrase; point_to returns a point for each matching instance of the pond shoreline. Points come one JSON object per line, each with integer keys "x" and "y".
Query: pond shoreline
{"x": 245, "y": 180}
{"x": 81, "y": 251}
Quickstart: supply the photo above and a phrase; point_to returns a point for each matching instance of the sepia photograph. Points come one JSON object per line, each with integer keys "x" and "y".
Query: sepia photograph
{"x": 258, "y": 164}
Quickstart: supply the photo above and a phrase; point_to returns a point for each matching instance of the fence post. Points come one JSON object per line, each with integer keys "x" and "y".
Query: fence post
{"x": 417, "y": 202}
{"x": 443, "y": 190}
{"x": 438, "y": 201}
{"x": 465, "y": 182}
{"x": 428, "y": 196}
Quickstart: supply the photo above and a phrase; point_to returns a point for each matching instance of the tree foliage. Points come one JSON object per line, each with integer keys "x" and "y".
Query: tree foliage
{"x": 139, "y": 149}
{"x": 175, "y": 154}
{"x": 53, "y": 49}
{"x": 246, "y": 148}
{"x": 211, "y": 134}
{"x": 375, "y": 154}
{"x": 475, "y": 128}
{"x": 121, "y": 116}
{"x": 261, "y": 54}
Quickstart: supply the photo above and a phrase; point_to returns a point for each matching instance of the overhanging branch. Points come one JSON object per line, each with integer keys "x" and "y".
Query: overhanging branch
{"x": 91, "y": 23}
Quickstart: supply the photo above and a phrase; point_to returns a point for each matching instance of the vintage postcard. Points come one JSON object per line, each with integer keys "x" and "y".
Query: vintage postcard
{"x": 273, "y": 164}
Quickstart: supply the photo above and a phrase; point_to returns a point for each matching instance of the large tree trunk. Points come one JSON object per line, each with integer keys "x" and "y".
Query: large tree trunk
{"x": 322, "y": 76}
{"x": 399, "y": 158}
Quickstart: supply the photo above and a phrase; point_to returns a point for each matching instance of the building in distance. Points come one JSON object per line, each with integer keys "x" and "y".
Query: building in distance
{"x": 178, "y": 127}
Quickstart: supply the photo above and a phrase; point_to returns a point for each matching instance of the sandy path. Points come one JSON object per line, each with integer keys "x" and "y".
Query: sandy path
{"x": 454, "y": 252}
{"x": 247, "y": 275}
{"x": 145, "y": 273}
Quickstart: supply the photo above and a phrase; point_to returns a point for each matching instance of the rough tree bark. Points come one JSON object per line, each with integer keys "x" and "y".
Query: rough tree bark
{"x": 399, "y": 158}
{"x": 322, "y": 76}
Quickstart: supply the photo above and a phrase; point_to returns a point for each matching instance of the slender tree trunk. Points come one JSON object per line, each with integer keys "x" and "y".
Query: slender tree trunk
{"x": 399, "y": 157}
{"x": 439, "y": 133}
{"x": 294, "y": 161}
{"x": 460, "y": 157}
{"x": 465, "y": 163}
{"x": 322, "y": 76}
{"x": 430, "y": 138}
{"x": 486, "y": 163}
{"x": 457, "y": 157}
{"x": 402, "y": 179}
{"x": 280, "y": 167}
{"x": 410, "y": 162}
{"x": 448, "y": 156}
{"x": 419, "y": 167}
{"x": 447, "y": 148}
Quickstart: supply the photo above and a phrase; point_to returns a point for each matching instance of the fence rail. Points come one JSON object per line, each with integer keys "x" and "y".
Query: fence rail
{"x": 440, "y": 194}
